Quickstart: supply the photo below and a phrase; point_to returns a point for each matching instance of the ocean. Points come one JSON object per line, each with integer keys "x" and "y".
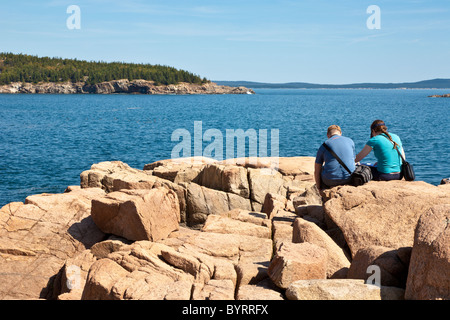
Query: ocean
{"x": 46, "y": 141}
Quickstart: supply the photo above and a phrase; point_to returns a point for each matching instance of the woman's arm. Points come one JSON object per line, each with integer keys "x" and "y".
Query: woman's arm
{"x": 364, "y": 152}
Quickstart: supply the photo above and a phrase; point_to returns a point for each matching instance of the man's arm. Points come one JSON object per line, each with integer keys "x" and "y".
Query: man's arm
{"x": 317, "y": 173}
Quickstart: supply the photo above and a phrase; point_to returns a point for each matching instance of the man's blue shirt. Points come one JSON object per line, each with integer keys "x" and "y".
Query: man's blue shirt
{"x": 345, "y": 148}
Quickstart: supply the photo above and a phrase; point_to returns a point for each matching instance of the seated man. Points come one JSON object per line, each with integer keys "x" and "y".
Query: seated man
{"x": 328, "y": 172}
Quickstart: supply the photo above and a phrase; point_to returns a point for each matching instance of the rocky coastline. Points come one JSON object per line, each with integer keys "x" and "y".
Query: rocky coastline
{"x": 198, "y": 229}
{"x": 123, "y": 86}
{"x": 440, "y": 96}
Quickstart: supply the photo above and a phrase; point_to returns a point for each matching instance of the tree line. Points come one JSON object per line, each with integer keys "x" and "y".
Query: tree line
{"x": 33, "y": 69}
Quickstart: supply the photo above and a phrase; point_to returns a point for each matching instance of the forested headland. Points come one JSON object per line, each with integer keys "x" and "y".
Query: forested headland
{"x": 33, "y": 69}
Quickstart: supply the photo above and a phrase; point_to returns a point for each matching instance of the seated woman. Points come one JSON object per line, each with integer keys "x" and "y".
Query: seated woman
{"x": 384, "y": 146}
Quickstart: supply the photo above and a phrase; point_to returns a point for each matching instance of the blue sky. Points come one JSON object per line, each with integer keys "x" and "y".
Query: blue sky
{"x": 317, "y": 41}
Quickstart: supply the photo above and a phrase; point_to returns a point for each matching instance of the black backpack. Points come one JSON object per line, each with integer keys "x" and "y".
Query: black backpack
{"x": 360, "y": 176}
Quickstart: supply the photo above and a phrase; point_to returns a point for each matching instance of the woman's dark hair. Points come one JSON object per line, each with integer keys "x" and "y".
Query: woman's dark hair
{"x": 380, "y": 127}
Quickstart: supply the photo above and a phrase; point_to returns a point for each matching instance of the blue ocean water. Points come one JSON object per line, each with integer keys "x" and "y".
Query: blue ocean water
{"x": 46, "y": 141}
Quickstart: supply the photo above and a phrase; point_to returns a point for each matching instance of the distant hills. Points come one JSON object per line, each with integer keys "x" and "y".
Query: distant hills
{"x": 426, "y": 84}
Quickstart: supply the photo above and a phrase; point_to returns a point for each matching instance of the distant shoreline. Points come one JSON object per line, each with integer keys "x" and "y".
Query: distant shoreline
{"x": 356, "y": 89}
{"x": 123, "y": 86}
{"x": 434, "y": 84}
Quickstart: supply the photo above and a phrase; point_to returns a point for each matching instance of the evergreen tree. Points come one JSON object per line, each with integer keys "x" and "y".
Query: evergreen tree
{"x": 26, "y": 68}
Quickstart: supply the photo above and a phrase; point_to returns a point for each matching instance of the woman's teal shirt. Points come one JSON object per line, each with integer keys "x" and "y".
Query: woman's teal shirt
{"x": 389, "y": 160}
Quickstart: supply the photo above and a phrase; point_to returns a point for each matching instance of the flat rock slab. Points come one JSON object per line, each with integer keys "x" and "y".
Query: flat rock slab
{"x": 189, "y": 265}
{"x": 429, "y": 269}
{"x": 230, "y": 178}
{"x": 341, "y": 289}
{"x": 288, "y": 166}
{"x": 138, "y": 214}
{"x": 393, "y": 265}
{"x": 202, "y": 202}
{"x": 305, "y": 231}
{"x": 36, "y": 237}
{"x": 221, "y": 224}
{"x": 382, "y": 213}
{"x": 297, "y": 261}
{"x": 116, "y": 176}
{"x": 136, "y": 272}
{"x": 231, "y": 247}
{"x": 264, "y": 290}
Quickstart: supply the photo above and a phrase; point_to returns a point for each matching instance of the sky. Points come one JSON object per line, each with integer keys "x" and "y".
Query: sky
{"x": 277, "y": 41}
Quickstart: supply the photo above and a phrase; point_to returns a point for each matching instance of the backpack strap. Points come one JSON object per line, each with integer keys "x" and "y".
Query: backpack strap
{"x": 337, "y": 158}
{"x": 399, "y": 153}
